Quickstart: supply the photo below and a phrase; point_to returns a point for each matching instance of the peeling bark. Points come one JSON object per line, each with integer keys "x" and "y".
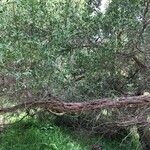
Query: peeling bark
{"x": 79, "y": 107}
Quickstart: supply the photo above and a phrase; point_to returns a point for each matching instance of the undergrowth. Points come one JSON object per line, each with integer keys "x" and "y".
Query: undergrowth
{"x": 31, "y": 134}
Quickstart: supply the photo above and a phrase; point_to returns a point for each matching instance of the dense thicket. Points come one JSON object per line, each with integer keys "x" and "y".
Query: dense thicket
{"x": 73, "y": 50}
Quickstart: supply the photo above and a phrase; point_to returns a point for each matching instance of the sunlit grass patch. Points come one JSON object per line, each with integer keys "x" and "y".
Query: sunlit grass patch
{"x": 31, "y": 134}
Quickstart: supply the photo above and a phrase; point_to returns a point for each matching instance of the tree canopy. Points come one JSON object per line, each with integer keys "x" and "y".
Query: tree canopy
{"x": 73, "y": 50}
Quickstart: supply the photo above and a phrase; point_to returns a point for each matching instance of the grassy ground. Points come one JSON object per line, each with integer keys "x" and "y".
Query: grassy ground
{"x": 31, "y": 134}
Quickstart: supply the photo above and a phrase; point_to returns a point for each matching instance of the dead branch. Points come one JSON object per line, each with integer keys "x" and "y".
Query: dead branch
{"x": 79, "y": 107}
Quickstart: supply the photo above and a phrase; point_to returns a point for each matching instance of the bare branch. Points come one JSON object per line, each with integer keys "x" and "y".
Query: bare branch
{"x": 63, "y": 107}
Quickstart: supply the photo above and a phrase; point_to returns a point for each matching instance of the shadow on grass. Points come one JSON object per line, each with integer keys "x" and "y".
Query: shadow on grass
{"x": 31, "y": 134}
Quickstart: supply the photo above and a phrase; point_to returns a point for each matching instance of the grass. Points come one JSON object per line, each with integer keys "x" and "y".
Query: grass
{"x": 31, "y": 134}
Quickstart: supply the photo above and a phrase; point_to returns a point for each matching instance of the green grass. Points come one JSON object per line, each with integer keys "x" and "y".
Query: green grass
{"x": 31, "y": 134}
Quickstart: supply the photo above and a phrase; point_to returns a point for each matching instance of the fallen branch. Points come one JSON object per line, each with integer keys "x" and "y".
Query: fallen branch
{"x": 79, "y": 107}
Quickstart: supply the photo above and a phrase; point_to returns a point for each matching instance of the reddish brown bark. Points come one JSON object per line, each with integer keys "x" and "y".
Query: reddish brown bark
{"x": 78, "y": 107}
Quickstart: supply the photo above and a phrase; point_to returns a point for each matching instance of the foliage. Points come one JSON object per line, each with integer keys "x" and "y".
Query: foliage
{"x": 71, "y": 49}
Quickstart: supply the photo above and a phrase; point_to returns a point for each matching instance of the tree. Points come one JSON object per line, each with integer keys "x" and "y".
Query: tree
{"x": 74, "y": 52}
